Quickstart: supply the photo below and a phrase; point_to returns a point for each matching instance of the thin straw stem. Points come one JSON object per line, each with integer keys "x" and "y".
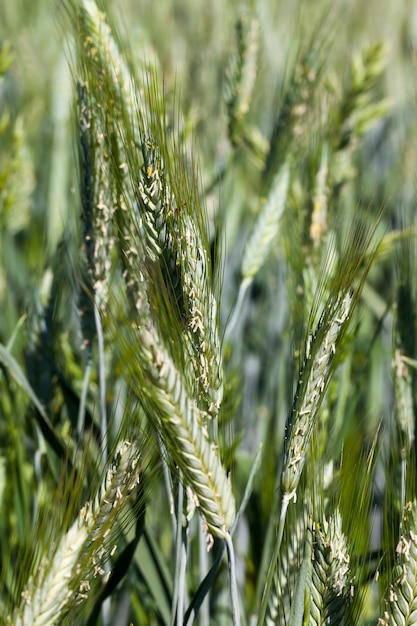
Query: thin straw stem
{"x": 233, "y": 582}
{"x": 102, "y": 386}
{"x": 204, "y": 615}
{"x": 182, "y": 587}
{"x": 83, "y": 398}
{"x": 206, "y": 584}
{"x": 178, "y": 558}
{"x": 243, "y": 289}
{"x": 269, "y": 577}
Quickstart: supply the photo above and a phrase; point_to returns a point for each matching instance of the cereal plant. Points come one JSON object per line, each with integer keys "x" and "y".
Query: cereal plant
{"x": 208, "y": 319}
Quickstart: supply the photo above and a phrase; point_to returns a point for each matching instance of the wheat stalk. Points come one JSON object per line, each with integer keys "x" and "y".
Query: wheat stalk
{"x": 66, "y": 572}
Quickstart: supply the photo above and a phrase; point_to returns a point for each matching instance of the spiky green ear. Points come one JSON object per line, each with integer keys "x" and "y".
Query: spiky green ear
{"x": 70, "y": 569}
{"x": 400, "y": 600}
{"x": 322, "y": 346}
{"x": 158, "y": 230}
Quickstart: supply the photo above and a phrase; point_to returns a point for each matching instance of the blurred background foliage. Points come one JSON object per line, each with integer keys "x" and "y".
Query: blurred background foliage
{"x": 193, "y": 43}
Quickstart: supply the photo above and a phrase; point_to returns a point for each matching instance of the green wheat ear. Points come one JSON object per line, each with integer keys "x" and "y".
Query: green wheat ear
{"x": 69, "y": 568}
{"x": 288, "y": 566}
{"x": 331, "y": 583}
{"x": 322, "y": 348}
{"x": 318, "y": 364}
{"x": 174, "y": 413}
{"x": 343, "y": 284}
{"x": 165, "y": 323}
{"x": 267, "y": 225}
{"x": 240, "y": 82}
{"x": 400, "y": 604}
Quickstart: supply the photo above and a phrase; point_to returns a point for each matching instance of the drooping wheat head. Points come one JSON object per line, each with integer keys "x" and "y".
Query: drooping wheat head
{"x": 162, "y": 239}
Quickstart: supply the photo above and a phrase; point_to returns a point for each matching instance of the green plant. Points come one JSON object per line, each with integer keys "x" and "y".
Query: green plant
{"x": 197, "y": 421}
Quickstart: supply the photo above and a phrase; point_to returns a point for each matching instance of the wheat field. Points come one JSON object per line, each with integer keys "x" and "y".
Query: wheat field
{"x": 208, "y": 313}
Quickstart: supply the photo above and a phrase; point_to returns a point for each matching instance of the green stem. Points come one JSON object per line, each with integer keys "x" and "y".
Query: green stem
{"x": 182, "y": 587}
{"x": 272, "y": 564}
{"x": 83, "y": 398}
{"x": 102, "y": 386}
{"x": 176, "y": 617}
{"x": 243, "y": 289}
{"x": 208, "y": 581}
{"x": 233, "y": 582}
{"x": 204, "y": 614}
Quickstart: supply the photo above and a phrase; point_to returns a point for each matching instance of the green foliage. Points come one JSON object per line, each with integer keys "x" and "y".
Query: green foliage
{"x": 208, "y": 357}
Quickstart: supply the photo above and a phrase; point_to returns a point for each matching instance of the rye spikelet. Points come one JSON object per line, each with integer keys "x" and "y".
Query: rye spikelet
{"x": 97, "y": 207}
{"x": 155, "y": 206}
{"x": 330, "y": 585}
{"x": 157, "y": 201}
{"x": 401, "y": 601}
{"x": 240, "y": 81}
{"x": 105, "y": 63}
{"x": 288, "y": 566}
{"x": 202, "y": 320}
{"x": 66, "y": 573}
{"x": 267, "y": 225}
{"x": 163, "y": 392}
{"x": 312, "y": 383}
{"x": 163, "y": 242}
